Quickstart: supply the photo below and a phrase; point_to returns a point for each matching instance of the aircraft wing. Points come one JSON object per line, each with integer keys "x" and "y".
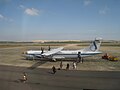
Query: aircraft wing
{"x": 53, "y": 51}
{"x": 39, "y": 56}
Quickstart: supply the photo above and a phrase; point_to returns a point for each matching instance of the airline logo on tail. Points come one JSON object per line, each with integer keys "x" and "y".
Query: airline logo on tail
{"x": 95, "y": 44}
{"x": 93, "y": 47}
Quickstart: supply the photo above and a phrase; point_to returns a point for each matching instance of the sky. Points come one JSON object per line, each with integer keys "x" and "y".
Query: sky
{"x": 26, "y": 20}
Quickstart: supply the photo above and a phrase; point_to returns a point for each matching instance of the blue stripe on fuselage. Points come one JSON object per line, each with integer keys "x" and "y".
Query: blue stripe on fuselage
{"x": 81, "y": 54}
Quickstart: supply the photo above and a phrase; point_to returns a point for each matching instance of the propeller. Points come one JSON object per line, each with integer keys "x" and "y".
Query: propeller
{"x": 79, "y": 57}
{"x": 49, "y": 48}
{"x": 42, "y": 50}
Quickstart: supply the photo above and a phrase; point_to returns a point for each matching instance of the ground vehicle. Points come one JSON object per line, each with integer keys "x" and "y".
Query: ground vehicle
{"x": 109, "y": 57}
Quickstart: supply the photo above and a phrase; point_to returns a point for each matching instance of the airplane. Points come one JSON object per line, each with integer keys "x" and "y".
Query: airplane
{"x": 59, "y": 53}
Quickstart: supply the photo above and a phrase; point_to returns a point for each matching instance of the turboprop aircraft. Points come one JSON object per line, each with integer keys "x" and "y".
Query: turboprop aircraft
{"x": 59, "y": 53}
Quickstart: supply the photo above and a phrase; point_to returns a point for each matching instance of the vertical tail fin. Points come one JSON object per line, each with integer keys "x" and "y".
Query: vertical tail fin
{"x": 94, "y": 46}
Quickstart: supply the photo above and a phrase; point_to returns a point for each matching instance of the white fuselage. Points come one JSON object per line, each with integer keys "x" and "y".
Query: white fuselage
{"x": 62, "y": 54}
{"x": 74, "y": 54}
{"x": 59, "y": 53}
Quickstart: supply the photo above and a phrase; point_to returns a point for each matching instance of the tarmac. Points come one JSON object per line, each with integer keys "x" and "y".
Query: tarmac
{"x": 93, "y": 74}
{"x": 13, "y": 56}
{"x": 44, "y": 79}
